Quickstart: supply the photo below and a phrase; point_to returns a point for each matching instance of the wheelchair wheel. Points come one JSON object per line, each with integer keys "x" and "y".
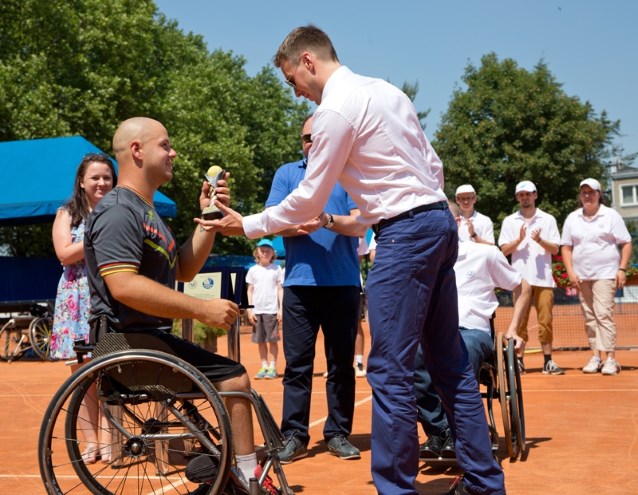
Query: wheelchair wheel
{"x": 517, "y": 414}
{"x": 9, "y": 338}
{"x": 40, "y": 337}
{"x": 503, "y": 395}
{"x": 153, "y": 412}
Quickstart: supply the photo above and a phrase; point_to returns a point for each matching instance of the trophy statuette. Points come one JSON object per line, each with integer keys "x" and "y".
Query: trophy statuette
{"x": 213, "y": 174}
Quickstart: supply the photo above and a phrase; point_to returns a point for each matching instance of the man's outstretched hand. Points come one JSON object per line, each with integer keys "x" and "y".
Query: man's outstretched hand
{"x": 230, "y": 224}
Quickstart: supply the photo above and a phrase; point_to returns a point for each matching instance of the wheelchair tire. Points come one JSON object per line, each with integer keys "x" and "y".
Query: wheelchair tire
{"x": 517, "y": 414}
{"x": 166, "y": 406}
{"x": 503, "y": 395}
{"x": 40, "y": 337}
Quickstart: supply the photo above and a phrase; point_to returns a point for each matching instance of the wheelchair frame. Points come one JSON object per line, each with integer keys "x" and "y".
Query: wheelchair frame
{"x": 21, "y": 333}
{"x": 502, "y": 380}
{"x": 161, "y": 412}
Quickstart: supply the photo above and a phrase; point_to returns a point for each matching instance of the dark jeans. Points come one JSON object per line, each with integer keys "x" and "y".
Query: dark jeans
{"x": 480, "y": 348}
{"x": 336, "y": 311}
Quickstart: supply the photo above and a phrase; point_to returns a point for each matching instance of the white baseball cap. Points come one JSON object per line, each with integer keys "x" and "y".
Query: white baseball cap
{"x": 593, "y": 183}
{"x": 465, "y": 188}
{"x": 526, "y": 186}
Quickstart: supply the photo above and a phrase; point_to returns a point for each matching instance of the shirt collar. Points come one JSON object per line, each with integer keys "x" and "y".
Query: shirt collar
{"x": 333, "y": 81}
{"x": 601, "y": 211}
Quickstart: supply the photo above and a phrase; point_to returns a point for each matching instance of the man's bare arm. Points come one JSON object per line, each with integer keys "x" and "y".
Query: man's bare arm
{"x": 150, "y": 297}
{"x": 522, "y": 295}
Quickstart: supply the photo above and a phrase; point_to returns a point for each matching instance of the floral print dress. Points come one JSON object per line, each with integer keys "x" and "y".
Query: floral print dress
{"x": 70, "y": 320}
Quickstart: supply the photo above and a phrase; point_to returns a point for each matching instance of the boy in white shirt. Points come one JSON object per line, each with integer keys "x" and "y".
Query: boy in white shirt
{"x": 265, "y": 294}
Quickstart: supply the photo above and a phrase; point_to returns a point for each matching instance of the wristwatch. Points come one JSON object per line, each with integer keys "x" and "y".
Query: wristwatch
{"x": 331, "y": 221}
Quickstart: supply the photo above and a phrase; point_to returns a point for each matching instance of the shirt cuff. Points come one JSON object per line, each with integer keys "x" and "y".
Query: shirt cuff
{"x": 253, "y": 226}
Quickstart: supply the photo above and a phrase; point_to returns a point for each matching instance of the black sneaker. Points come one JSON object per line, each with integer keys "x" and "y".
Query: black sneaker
{"x": 202, "y": 468}
{"x": 432, "y": 448}
{"x": 293, "y": 450}
{"x": 343, "y": 449}
{"x": 551, "y": 368}
{"x": 448, "y": 452}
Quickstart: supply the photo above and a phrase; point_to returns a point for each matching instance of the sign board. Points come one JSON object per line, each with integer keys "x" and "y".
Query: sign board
{"x": 207, "y": 285}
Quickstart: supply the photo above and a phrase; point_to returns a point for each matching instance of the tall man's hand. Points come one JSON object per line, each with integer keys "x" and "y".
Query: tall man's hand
{"x": 230, "y": 225}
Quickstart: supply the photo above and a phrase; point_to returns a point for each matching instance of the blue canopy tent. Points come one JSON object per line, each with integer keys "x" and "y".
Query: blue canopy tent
{"x": 36, "y": 178}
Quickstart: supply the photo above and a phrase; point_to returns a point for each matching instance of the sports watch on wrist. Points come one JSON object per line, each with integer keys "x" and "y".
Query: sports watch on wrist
{"x": 331, "y": 221}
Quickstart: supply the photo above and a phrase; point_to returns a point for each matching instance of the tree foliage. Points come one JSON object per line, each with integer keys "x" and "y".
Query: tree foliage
{"x": 509, "y": 125}
{"x": 79, "y": 67}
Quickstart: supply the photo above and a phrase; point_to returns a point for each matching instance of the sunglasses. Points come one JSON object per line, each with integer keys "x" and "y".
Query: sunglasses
{"x": 96, "y": 157}
{"x": 291, "y": 81}
{"x": 306, "y": 138}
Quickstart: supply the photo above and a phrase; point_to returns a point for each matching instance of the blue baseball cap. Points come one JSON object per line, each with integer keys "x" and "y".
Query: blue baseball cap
{"x": 266, "y": 242}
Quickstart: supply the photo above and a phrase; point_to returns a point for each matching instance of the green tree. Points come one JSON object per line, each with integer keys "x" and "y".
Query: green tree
{"x": 510, "y": 124}
{"x": 79, "y": 67}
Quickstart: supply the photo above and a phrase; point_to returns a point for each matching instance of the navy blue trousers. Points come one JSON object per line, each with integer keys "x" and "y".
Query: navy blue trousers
{"x": 480, "y": 348}
{"x": 305, "y": 310}
{"x": 412, "y": 298}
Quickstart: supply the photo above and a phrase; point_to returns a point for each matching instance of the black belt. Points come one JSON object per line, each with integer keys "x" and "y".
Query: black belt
{"x": 441, "y": 205}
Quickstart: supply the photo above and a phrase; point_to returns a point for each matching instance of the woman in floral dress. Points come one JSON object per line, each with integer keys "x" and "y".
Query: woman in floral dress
{"x": 94, "y": 178}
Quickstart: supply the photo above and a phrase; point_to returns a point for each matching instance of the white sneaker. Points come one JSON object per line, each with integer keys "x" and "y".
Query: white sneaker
{"x": 593, "y": 366}
{"x": 611, "y": 367}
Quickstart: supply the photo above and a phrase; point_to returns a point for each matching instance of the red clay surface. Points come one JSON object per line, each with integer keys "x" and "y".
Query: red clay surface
{"x": 582, "y": 430}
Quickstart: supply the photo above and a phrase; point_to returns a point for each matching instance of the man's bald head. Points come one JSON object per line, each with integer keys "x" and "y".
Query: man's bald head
{"x": 133, "y": 129}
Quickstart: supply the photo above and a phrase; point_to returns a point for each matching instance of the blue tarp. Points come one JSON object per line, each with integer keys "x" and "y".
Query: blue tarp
{"x": 26, "y": 280}
{"x": 36, "y": 178}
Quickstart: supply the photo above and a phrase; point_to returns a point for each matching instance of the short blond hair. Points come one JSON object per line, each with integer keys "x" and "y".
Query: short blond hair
{"x": 256, "y": 250}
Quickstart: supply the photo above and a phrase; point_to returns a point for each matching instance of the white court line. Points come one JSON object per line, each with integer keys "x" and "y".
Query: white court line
{"x": 586, "y": 391}
{"x": 166, "y": 489}
{"x": 323, "y": 420}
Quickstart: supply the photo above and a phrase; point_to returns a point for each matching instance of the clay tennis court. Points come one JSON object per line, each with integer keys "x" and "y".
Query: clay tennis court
{"x": 582, "y": 431}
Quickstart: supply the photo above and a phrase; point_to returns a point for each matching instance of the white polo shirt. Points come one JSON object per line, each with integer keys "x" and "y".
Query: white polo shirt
{"x": 479, "y": 269}
{"x": 594, "y": 242}
{"x": 530, "y": 259}
{"x": 483, "y": 227}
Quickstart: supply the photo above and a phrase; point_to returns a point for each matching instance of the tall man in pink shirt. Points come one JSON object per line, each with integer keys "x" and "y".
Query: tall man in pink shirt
{"x": 366, "y": 135}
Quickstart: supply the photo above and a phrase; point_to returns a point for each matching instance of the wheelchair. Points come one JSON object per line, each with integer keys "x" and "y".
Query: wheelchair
{"x": 160, "y": 413}
{"x": 502, "y": 380}
{"x": 21, "y": 334}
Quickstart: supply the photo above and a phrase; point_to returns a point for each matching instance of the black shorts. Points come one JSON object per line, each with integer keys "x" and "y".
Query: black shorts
{"x": 215, "y": 367}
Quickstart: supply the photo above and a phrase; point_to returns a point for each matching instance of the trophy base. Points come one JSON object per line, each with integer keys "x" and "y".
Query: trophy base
{"x": 211, "y": 214}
